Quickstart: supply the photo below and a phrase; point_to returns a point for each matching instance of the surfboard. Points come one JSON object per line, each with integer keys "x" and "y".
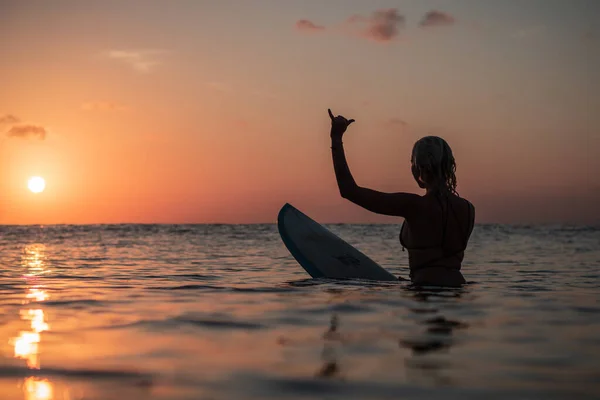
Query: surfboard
{"x": 322, "y": 253}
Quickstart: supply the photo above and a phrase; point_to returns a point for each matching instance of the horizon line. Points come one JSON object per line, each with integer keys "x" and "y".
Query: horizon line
{"x": 519, "y": 224}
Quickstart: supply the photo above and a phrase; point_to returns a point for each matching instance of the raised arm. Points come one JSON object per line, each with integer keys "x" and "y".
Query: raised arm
{"x": 397, "y": 204}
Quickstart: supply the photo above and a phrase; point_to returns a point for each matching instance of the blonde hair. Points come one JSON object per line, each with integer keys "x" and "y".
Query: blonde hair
{"x": 433, "y": 162}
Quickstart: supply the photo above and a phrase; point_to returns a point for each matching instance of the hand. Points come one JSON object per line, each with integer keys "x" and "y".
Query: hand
{"x": 339, "y": 125}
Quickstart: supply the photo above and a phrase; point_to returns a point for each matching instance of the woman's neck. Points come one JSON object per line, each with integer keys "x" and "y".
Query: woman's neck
{"x": 437, "y": 189}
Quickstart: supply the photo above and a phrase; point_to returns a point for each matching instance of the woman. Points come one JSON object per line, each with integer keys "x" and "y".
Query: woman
{"x": 437, "y": 225}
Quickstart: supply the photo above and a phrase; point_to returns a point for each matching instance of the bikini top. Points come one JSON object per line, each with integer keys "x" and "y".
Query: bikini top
{"x": 446, "y": 253}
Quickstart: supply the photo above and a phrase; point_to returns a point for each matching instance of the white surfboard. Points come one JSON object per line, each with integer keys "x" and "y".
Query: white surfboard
{"x": 323, "y": 254}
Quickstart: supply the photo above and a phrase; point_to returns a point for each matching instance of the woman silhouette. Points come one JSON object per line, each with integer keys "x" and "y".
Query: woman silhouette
{"x": 437, "y": 225}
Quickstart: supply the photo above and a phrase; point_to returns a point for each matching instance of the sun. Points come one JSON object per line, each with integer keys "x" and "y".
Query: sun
{"x": 36, "y": 184}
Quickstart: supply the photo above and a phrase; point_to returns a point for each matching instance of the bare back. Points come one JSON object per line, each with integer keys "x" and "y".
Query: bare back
{"x": 436, "y": 238}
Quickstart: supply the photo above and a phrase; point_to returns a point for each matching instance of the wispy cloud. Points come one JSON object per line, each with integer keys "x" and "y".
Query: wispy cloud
{"x": 437, "y": 18}
{"x": 102, "y": 106}
{"x": 305, "y": 25}
{"x": 381, "y": 26}
{"x": 529, "y": 32}
{"x": 396, "y": 124}
{"x": 140, "y": 60}
{"x": 25, "y": 131}
{"x": 17, "y": 129}
{"x": 9, "y": 119}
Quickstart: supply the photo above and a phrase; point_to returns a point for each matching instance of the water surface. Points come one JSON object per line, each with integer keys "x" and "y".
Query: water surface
{"x": 223, "y": 311}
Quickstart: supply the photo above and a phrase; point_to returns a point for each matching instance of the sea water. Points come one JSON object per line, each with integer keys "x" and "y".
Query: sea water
{"x": 225, "y": 312}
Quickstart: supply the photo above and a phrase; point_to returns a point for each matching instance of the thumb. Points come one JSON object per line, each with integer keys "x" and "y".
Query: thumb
{"x": 350, "y": 121}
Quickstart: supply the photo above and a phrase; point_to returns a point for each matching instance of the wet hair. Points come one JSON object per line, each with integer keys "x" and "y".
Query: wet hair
{"x": 433, "y": 163}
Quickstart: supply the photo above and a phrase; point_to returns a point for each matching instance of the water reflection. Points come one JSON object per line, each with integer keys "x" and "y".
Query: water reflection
{"x": 438, "y": 336}
{"x": 26, "y": 344}
{"x": 38, "y": 389}
{"x": 330, "y": 368}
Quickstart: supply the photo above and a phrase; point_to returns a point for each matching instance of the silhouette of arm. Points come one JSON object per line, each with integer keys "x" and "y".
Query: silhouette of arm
{"x": 396, "y": 204}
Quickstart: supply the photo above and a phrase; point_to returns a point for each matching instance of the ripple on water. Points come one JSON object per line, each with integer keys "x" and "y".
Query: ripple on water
{"x": 225, "y": 312}
{"x": 222, "y": 322}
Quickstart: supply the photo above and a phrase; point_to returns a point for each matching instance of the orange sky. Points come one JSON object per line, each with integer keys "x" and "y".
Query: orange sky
{"x": 193, "y": 113}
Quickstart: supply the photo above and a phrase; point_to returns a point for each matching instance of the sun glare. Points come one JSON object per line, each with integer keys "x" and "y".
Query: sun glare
{"x": 36, "y": 184}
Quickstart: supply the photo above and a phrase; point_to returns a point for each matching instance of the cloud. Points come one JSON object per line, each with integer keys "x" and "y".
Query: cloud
{"x": 22, "y": 130}
{"x": 25, "y": 131}
{"x": 102, "y": 106}
{"x": 305, "y": 25}
{"x": 397, "y": 122}
{"x": 382, "y": 26}
{"x": 529, "y": 32}
{"x": 9, "y": 119}
{"x": 355, "y": 19}
{"x": 140, "y": 60}
{"x": 437, "y": 18}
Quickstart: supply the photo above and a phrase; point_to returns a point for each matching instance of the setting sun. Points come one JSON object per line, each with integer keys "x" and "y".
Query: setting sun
{"x": 36, "y": 184}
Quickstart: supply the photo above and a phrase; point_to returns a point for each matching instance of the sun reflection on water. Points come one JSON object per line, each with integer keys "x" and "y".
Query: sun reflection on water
{"x": 26, "y": 344}
{"x": 37, "y": 294}
{"x": 38, "y": 389}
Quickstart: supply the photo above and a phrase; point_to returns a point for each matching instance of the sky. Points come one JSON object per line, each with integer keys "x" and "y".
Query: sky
{"x": 216, "y": 111}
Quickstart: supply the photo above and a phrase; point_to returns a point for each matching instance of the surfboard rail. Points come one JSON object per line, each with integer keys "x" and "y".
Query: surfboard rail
{"x": 321, "y": 252}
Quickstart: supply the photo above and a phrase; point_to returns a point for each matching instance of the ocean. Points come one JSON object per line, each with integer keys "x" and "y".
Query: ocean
{"x": 225, "y": 312}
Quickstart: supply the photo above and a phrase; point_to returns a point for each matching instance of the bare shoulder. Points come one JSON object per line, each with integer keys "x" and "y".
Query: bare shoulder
{"x": 415, "y": 202}
{"x": 467, "y": 209}
{"x": 469, "y": 205}
{"x": 409, "y": 204}
{"x": 462, "y": 201}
